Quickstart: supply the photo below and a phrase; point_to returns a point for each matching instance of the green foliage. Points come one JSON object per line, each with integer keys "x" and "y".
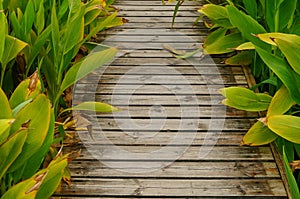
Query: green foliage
{"x": 271, "y": 34}
{"x": 26, "y": 137}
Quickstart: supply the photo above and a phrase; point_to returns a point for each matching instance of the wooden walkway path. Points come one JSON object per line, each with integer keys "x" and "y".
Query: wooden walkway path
{"x": 173, "y": 138}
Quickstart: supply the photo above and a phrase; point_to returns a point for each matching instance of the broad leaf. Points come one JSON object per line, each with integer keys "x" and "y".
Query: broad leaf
{"x": 245, "y": 99}
{"x": 81, "y": 69}
{"x": 26, "y": 189}
{"x": 93, "y": 106}
{"x": 245, "y": 46}
{"x": 6, "y": 112}
{"x": 36, "y": 116}
{"x": 11, "y": 149}
{"x": 3, "y": 31}
{"x": 247, "y": 26}
{"x": 4, "y": 128}
{"x": 259, "y": 134}
{"x": 286, "y": 126}
{"x": 242, "y": 58}
{"x": 281, "y": 102}
{"x": 293, "y": 187}
{"x": 13, "y": 47}
{"x": 53, "y": 178}
{"x": 285, "y": 73}
{"x": 217, "y": 14}
{"x": 224, "y": 44}
{"x": 27, "y": 89}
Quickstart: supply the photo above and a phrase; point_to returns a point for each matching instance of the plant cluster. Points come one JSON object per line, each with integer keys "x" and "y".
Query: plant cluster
{"x": 52, "y": 38}
{"x": 266, "y": 36}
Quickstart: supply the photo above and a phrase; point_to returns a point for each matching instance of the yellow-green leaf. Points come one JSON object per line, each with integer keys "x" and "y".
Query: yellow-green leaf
{"x": 36, "y": 117}
{"x": 11, "y": 149}
{"x": 93, "y": 106}
{"x": 246, "y": 46}
{"x": 27, "y": 89}
{"x": 26, "y": 189}
{"x": 4, "y": 128}
{"x": 6, "y": 111}
{"x": 286, "y": 126}
{"x": 242, "y": 58}
{"x": 281, "y": 102}
{"x": 13, "y": 47}
{"x": 245, "y": 99}
{"x": 259, "y": 134}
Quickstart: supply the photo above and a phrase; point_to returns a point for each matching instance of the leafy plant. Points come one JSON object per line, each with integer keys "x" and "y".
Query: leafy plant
{"x": 25, "y": 138}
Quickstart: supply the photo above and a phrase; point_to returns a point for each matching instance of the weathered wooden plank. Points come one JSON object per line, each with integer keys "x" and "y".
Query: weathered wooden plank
{"x": 158, "y": 70}
{"x": 160, "y": 138}
{"x": 166, "y": 8}
{"x": 151, "y": 100}
{"x": 131, "y": 31}
{"x": 180, "y": 38}
{"x": 175, "y": 188}
{"x": 205, "y": 62}
{"x": 159, "y": 13}
{"x": 146, "y": 3}
{"x": 198, "y": 170}
{"x": 191, "y": 124}
{"x": 142, "y": 89}
{"x": 171, "y": 153}
{"x": 165, "y": 79}
{"x": 178, "y": 112}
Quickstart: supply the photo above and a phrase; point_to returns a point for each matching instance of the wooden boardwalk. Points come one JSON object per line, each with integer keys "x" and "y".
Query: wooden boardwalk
{"x": 173, "y": 138}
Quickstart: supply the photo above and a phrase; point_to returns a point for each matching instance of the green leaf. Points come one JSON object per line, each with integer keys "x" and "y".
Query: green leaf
{"x": 27, "y": 89}
{"x": 286, "y": 126}
{"x": 259, "y": 134}
{"x": 285, "y": 73}
{"x": 36, "y": 160}
{"x": 28, "y": 18}
{"x": 10, "y": 150}
{"x": 5, "y": 125}
{"x": 81, "y": 69}
{"x": 247, "y": 26}
{"x": 6, "y": 112}
{"x": 13, "y": 47}
{"x": 284, "y": 16}
{"x": 224, "y": 44}
{"x": 214, "y": 36}
{"x": 53, "y": 178}
{"x": 242, "y": 58}
{"x": 245, "y": 99}
{"x": 293, "y": 187}
{"x": 251, "y": 8}
{"x": 3, "y": 31}
{"x": 74, "y": 32}
{"x": 36, "y": 116}
{"x": 217, "y": 14}
{"x": 38, "y": 45}
{"x": 55, "y": 37}
{"x": 26, "y": 189}
{"x": 93, "y": 106}
{"x": 245, "y": 46}
{"x": 40, "y": 18}
{"x": 281, "y": 102}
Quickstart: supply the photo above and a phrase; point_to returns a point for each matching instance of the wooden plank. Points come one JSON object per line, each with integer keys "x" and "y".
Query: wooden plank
{"x": 106, "y": 89}
{"x": 151, "y": 100}
{"x": 175, "y": 188}
{"x": 206, "y": 61}
{"x": 191, "y": 170}
{"x": 164, "y": 79}
{"x": 180, "y": 38}
{"x": 158, "y": 70}
{"x": 155, "y": 12}
{"x": 144, "y": 31}
{"x": 178, "y": 112}
{"x": 167, "y": 7}
{"x": 171, "y": 153}
{"x": 193, "y": 124}
{"x": 162, "y": 138}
